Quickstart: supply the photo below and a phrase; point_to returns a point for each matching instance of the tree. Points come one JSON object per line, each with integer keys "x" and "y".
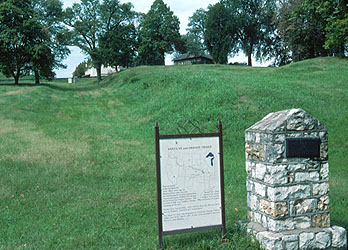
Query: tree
{"x": 337, "y": 29}
{"x": 276, "y": 50}
{"x": 50, "y": 53}
{"x": 195, "y": 33}
{"x": 43, "y": 60}
{"x": 197, "y": 24}
{"x": 190, "y": 45}
{"x": 28, "y": 38}
{"x": 81, "y": 69}
{"x": 119, "y": 46}
{"x": 91, "y": 21}
{"x": 252, "y": 19}
{"x": 302, "y": 25}
{"x": 159, "y": 34}
{"x": 274, "y": 47}
{"x": 219, "y": 35}
{"x": 20, "y": 33}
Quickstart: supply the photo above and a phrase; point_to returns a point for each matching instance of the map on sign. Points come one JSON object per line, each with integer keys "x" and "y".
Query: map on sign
{"x": 190, "y": 183}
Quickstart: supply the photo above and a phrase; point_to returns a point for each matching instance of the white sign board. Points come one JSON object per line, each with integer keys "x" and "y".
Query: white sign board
{"x": 190, "y": 183}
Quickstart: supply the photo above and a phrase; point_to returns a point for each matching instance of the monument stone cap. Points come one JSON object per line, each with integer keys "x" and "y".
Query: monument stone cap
{"x": 288, "y": 120}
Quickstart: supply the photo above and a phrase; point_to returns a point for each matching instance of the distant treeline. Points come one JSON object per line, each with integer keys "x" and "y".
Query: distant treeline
{"x": 34, "y": 34}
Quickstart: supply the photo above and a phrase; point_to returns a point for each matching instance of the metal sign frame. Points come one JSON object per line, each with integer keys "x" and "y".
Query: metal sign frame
{"x": 162, "y": 233}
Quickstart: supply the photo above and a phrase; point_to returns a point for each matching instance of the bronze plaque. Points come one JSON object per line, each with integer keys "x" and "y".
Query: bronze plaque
{"x": 302, "y": 147}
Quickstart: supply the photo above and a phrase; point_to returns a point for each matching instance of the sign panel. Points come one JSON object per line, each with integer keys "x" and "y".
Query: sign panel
{"x": 190, "y": 183}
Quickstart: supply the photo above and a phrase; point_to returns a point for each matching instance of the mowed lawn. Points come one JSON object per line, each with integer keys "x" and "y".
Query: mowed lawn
{"x": 77, "y": 162}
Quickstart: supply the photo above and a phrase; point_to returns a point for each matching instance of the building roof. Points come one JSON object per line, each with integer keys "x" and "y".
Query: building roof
{"x": 188, "y": 56}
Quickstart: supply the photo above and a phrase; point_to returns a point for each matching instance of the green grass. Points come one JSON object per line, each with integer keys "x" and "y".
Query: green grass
{"x": 77, "y": 162}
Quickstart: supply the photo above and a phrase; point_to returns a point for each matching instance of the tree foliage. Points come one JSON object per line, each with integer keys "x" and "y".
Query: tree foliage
{"x": 303, "y": 27}
{"x": 120, "y": 45}
{"x": 192, "y": 45}
{"x": 81, "y": 69}
{"x": 32, "y": 38}
{"x": 50, "y": 53}
{"x": 159, "y": 34}
{"x": 194, "y": 38}
{"x": 276, "y": 51}
{"x": 337, "y": 29}
{"x": 23, "y": 40}
{"x": 92, "y": 21}
{"x": 282, "y": 31}
{"x": 252, "y": 19}
{"x": 219, "y": 36}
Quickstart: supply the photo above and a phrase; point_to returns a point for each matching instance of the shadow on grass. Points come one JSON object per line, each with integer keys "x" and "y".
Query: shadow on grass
{"x": 339, "y": 222}
{"x": 103, "y": 84}
{"x": 235, "y": 238}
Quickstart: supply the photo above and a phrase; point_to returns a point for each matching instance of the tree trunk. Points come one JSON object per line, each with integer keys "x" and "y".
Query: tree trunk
{"x": 249, "y": 59}
{"x": 16, "y": 77}
{"x": 341, "y": 50}
{"x": 98, "y": 67}
{"x": 163, "y": 59}
{"x": 37, "y": 77}
{"x": 311, "y": 52}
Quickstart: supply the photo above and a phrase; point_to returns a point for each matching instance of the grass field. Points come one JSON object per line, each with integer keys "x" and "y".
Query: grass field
{"x": 77, "y": 162}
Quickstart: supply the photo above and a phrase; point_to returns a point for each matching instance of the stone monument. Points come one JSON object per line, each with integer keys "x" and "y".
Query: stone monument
{"x": 288, "y": 183}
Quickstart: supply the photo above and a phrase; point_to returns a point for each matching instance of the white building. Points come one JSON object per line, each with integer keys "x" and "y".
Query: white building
{"x": 92, "y": 72}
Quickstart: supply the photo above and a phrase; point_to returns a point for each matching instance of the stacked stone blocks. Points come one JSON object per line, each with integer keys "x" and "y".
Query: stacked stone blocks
{"x": 285, "y": 194}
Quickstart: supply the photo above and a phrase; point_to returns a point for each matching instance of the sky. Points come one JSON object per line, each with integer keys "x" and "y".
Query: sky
{"x": 183, "y": 9}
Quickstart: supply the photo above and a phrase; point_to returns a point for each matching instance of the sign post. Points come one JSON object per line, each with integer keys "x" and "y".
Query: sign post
{"x": 190, "y": 183}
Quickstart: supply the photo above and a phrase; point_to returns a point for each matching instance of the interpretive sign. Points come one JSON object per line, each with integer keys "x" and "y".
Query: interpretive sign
{"x": 190, "y": 182}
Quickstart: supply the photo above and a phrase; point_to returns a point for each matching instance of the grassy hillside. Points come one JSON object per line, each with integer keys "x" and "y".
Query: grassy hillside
{"x": 77, "y": 163}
